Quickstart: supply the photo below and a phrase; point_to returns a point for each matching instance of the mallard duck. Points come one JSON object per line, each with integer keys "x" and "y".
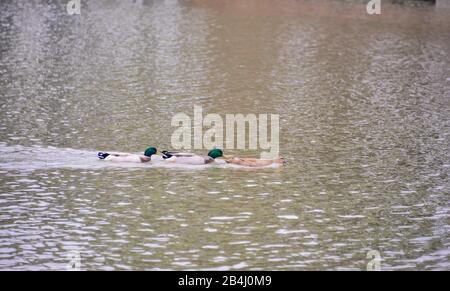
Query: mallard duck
{"x": 191, "y": 159}
{"x": 126, "y": 157}
{"x": 250, "y": 162}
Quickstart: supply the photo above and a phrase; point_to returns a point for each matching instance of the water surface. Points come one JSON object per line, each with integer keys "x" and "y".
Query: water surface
{"x": 365, "y": 127}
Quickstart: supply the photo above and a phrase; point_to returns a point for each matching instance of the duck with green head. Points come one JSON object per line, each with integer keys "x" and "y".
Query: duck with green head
{"x": 192, "y": 159}
{"x": 149, "y": 155}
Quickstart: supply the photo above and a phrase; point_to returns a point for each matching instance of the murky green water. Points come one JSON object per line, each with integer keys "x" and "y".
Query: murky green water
{"x": 365, "y": 127}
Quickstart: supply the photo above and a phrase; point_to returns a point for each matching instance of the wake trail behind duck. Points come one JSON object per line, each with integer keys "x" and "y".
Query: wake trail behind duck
{"x": 22, "y": 158}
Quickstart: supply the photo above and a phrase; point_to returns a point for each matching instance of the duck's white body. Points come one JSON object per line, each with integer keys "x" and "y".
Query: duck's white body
{"x": 130, "y": 158}
{"x": 188, "y": 159}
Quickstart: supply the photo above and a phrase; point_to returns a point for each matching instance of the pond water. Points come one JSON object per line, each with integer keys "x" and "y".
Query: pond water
{"x": 364, "y": 106}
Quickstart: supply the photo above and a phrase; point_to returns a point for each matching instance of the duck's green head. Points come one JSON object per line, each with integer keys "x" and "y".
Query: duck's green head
{"x": 150, "y": 151}
{"x": 215, "y": 153}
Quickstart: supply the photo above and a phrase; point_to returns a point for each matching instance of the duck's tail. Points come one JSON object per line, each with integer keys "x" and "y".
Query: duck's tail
{"x": 102, "y": 155}
{"x": 166, "y": 155}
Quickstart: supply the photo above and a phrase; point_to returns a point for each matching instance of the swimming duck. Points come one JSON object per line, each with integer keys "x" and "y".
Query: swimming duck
{"x": 250, "y": 162}
{"x": 126, "y": 157}
{"x": 191, "y": 159}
